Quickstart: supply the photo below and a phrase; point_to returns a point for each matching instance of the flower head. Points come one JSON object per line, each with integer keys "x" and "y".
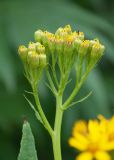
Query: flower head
{"x": 69, "y": 46}
{"x": 23, "y": 52}
{"x": 94, "y": 139}
{"x": 34, "y": 60}
{"x": 65, "y": 48}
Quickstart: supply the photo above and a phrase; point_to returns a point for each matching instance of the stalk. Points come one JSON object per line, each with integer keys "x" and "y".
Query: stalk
{"x": 43, "y": 117}
{"x": 56, "y": 139}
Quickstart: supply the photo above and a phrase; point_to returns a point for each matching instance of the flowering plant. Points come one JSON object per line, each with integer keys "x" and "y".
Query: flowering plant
{"x": 57, "y": 54}
{"x": 94, "y": 139}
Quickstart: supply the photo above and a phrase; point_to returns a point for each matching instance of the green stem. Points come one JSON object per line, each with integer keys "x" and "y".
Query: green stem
{"x": 76, "y": 89}
{"x": 43, "y": 117}
{"x": 79, "y": 70}
{"x": 56, "y": 140}
{"x": 51, "y": 82}
{"x": 55, "y": 77}
{"x": 53, "y": 70}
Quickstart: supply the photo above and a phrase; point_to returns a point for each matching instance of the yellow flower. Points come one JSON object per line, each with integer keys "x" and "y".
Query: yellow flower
{"x": 94, "y": 139}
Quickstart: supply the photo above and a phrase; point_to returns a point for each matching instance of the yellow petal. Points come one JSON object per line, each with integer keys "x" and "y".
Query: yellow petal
{"x": 76, "y": 144}
{"x": 101, "y": 155}
{"x": 103, "y": 127}
{"x": 94, "y": 130}
{"x": 81, "y": 138}
{"x": 85, "y": 156}
{"x": 109, "y": 145}
{"x": 81, "y": 127}
{"x": 111, "y": 127}
{"x": 101, "y": 117}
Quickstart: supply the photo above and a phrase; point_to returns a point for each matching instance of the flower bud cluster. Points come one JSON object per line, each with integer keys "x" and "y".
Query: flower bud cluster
{"x": 65, "y": 47}
{"x": 68, "y": 44}
{"x": 63, "y": 37}
{"x": 34, "y": 55}
{"x": 34, "y": 59}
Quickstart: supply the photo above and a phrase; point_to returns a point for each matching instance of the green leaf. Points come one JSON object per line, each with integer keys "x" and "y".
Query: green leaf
{"x": 80, "y": 100}
{"x": 27, "y": 150}
{"x": 36, "y": 112}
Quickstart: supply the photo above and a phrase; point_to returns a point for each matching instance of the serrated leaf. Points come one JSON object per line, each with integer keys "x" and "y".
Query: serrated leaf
{"x": 27, "y": 150}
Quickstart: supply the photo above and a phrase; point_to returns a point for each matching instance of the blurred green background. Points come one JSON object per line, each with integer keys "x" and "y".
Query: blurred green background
{"x": 19, "y": 19}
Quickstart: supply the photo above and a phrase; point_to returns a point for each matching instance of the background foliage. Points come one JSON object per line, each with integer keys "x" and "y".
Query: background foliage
{"x": 18, "y": 21}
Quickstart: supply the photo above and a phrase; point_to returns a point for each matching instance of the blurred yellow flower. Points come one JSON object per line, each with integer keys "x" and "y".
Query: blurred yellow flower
{"x": 94, "y": 139}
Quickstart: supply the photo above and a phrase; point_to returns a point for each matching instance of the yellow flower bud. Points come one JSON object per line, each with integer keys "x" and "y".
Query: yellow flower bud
{"x": 33, "y": 59}
{"x": 59, "y": 30}
{"x": 68, "y": 29}
{"x": 81, "y": 35}
{"x": 40, "y": 49}
{"x": 37, "y": 44}
{"x": 42, "y": 60}
{"x": 97, "y": 50}
{"x": 23, "y": 52}
{"x": 32, "y": 46}
{"x": 78, "y": 35}
{"x": 59, "y": 42}
{"x": 92, "y": 42}
{"x": 51, "y": 42}
{"x": 45, "y": 37}
{"x": 38, "y": 35}
{"x": 69, "y": 39}
{"x": 64, "y": 33}
{"x": 77, "y": 44}
{"x": 84, "y": 47}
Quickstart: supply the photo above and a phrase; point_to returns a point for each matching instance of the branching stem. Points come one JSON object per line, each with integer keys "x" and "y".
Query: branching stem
{"x": 41, "y": 112}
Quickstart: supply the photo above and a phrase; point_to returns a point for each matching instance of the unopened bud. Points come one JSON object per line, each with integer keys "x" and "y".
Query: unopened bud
{"x": 68, "y": 44}
{"x": 32, "y": 46}
{"x": 40, "y": 49}
{"x": 83, "y": 48}
{"x": 64, "y": 33}
{"x": 77, "y": 44}
{"x": 51, "y": 42}
{"x": 59, "y": 42}
{"x": 37, "y": 44}
{"x": 69, "y": 39}
{"x": 23, "y": 52}
{"x": 33, "y": 59}
{"x": 97, "y": 50}
{"x": 59, "y": 30}
{"x": 45, "y": 38}
{"x": 92, "y": 42}
{"x": 68, "y": 29}
{"x": 42, "y": 60}
{"x": 38, "y": 35}
{"x": 81, "y": 35}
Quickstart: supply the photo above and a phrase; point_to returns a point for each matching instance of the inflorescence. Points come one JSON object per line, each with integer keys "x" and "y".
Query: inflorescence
{"x": 65, "y": 47}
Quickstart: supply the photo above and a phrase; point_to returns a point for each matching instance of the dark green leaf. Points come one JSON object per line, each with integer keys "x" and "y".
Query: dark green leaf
{"x": 27, "y": 150}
